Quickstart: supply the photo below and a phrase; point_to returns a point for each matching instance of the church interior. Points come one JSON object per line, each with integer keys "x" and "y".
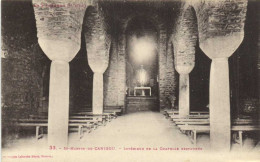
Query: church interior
{"x": 130, "y": 73}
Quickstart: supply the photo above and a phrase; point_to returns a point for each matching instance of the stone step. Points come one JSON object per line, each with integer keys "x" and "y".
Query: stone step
{"x": 135, "y": 104}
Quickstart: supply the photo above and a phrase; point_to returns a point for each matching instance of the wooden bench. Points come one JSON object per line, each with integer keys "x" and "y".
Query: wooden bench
{"x": 191, "y": 113}
{"x": 207, "y": 122}
{"x": 37, "y": 125}
{"x": 168, "y": 112}
{"x": 108, "y": 110}
{"x": 192, "y": 123}
{"x": 243, "y": 128}
{"x": 112, "y": 113}
{"x": 194, "y": 129}
{"x": 113, "y": 109}
{"x": 172, "y": 113}
{"x": 190, "y": 117}
{"x": 108, "y": 116}
{"x": 94, "y": 118}
{"x": 40, "y": 123}
{"x": 99, "y": 119}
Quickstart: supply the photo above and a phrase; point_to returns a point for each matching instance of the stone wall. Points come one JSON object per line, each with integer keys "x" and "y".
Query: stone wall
{"x": 22, "y": 68}
{"x": 22, "y": 63}
{"x": 171, "y": 81}
{"x": 162, "y": 52}
{"x": 111, "y": 87}
{"x": 115, "y": 76}
{"x": 21, "y": 81}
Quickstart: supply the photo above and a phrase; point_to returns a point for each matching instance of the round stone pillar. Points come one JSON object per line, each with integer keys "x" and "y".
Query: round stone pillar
{"x": 58, "y": 113}
{"x": 184, "y": 95}
{"x": 219, "y": 37}
{"x": 184, "y": 89}
{"x": 59, "y": 36}
{"x": 219, "y": 50}
{"x": 219, "y": 104}
{"x": 98, "y": 45}
{"x": 98, "y": 93}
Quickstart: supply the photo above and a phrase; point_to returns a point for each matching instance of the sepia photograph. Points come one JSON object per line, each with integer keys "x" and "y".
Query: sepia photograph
{"x": 130, "y": 80}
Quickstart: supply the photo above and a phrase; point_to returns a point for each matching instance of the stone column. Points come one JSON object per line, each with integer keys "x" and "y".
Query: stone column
{"x": 98, "y": 45}
{"x": 219, "y": 103}
{"x": 184, "y": 41}
{"x": 219, "y": 99}
{"x": 59, "y": 37}
{"x": 97, "y": 93}
{"x": 184, "y": 89}
{"x": 121, "y": 69}
{"x": 58, "y": 113}
{"x": 219, "y": 37}
{"x": 184, "y": 95}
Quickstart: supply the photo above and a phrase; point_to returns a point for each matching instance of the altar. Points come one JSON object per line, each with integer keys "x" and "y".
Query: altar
{"x": 143, "y": 90}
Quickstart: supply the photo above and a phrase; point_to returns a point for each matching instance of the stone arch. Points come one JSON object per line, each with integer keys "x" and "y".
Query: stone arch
{"x": 154, "y": 19}
{"x": 162, "y": 49}
{"x": 165, "y": 88}
{"x": 148, "y": 30}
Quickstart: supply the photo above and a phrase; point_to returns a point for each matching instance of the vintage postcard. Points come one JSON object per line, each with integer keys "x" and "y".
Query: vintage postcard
{"x": 130, "y": 80}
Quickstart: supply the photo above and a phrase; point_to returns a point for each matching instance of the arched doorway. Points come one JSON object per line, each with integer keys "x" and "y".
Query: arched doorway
{"x": 141, "y": 65}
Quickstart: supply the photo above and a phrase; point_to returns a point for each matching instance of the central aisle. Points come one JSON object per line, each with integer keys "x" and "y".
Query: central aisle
{"x": 142, "y": 129}
{"x": 131, "y": 131}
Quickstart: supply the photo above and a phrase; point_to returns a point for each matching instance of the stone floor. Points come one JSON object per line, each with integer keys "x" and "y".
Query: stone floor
{"x": 140, "y": 131}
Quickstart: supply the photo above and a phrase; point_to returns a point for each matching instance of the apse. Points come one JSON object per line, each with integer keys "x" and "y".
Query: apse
{"x": 142, "y": 61}
{"x": 142, "y": 50}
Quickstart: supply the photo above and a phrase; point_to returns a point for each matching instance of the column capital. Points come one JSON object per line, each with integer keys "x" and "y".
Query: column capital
{"x": 58, "y": 39}
{"x": 184, "y": 69}
{"x": 59, "y": 49}
{"x": 221, "y": 46}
